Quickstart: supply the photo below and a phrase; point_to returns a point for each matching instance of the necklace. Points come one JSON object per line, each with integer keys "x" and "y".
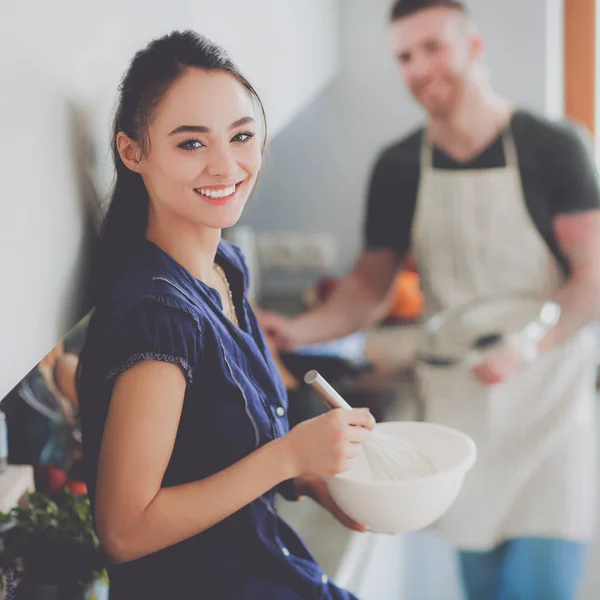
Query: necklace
{"x": 230, "y": 310}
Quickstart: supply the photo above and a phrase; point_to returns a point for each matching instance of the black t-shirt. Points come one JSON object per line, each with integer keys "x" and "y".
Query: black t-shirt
{"x": 556, "y": 163}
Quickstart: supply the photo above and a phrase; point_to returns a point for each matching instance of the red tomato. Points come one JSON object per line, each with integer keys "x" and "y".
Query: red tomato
{"x": 78, "y": 488}
{"x": 57, "y": 479}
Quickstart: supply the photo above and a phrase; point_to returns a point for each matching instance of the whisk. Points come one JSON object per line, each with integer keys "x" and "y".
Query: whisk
{"x": 389, "y": 457}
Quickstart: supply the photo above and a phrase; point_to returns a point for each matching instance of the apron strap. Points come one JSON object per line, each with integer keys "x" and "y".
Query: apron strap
{"x": 426, "y": 151}
{"x": 510, "y": 149}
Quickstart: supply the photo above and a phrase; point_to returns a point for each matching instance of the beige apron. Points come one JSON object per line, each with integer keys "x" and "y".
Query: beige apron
{"x": 535, "y": 433}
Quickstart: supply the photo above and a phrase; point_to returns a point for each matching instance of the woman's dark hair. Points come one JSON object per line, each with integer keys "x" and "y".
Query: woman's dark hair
{"x": 405, "y": 8}
{"x": 151, "y": 72}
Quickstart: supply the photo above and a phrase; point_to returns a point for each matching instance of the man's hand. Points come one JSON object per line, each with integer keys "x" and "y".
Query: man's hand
{"x": 316, "y": 488}
{"x": 501, "y": 366}
{"x": 279, "y": 328}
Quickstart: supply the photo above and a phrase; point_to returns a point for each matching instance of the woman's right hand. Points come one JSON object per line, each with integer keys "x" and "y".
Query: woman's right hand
{"x": 326, "y": 445}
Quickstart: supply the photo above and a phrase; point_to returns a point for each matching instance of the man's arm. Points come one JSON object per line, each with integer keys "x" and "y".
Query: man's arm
{"x": 361, "y": 298}
{"x": 573, "y": 176}
{"x": 578, "y": 236}
{"x": 359, "y": 301}
{"x": 569, "y": 166}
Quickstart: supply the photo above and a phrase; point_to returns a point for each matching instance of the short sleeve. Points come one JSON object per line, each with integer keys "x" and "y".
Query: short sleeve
{"x": 154, "y": 331}
{"x": 571, "y": 169}
{"x": 392, "y": 197}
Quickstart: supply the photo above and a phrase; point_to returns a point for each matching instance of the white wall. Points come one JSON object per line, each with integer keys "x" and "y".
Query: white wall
{"x": 318, "y": 167}
{"x": 65, "y": 58}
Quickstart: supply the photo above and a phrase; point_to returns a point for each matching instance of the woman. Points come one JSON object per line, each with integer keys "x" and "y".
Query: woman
{"x": 184, "y": 424}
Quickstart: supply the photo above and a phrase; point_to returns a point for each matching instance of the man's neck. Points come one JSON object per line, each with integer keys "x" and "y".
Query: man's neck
{"x": 477, "y": 120}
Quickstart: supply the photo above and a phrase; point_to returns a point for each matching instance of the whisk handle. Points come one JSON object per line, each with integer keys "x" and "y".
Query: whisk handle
{"x": 327, "y": 393}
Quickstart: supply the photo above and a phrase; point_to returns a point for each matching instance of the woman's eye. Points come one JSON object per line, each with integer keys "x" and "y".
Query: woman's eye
{"x": 190, "y": 145}
{"x": 246, "y": 136}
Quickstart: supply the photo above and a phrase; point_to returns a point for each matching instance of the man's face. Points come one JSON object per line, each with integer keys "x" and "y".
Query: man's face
{"x": 436, "y": 54}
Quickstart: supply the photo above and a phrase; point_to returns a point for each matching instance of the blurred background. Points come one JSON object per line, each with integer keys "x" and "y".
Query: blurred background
{"x": 334, "y": 98}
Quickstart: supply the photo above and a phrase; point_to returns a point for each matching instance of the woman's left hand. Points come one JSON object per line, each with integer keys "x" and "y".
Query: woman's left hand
{"x": 316, "y": 488}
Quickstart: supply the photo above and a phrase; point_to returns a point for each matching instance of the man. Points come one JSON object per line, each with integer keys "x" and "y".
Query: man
{"x": 490, "y": 200}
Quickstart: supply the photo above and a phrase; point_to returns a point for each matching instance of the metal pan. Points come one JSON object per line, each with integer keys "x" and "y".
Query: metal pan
{"x": 467, "y": 335}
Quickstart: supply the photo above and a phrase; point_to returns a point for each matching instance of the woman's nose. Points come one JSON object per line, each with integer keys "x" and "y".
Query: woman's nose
{"x": 221, "y": 163}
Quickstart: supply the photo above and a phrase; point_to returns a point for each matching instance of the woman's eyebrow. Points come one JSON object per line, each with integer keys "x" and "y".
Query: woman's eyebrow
{"x": 205, "y": 129}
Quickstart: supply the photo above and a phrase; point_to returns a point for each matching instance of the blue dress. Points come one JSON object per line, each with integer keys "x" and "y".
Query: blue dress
{"x": 235, "y": 402}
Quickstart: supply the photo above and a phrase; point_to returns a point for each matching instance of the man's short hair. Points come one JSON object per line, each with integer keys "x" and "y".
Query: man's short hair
{"x": 405, "y": 8}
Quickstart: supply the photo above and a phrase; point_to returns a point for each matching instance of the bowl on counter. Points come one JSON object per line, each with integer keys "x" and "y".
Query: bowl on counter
{"x": 408, "y": 504}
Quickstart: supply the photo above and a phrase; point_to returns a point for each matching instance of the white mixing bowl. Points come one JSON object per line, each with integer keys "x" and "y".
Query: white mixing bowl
{"x": 412, "y": 504}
